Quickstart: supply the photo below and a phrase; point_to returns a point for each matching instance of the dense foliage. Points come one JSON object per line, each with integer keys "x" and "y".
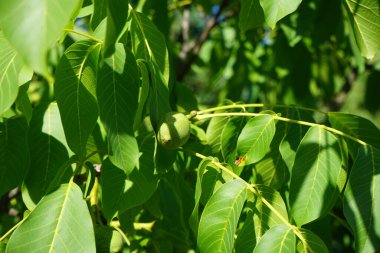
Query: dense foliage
{"x": 281, "y": 153}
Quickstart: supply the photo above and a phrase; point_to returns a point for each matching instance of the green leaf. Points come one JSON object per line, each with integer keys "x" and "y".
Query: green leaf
{"x": 213, "y": 133}
{"x": 280, "y": 238}
{"x": 33, "y": 27}
{"x": 143, "y": 94}
{"x": 263, "y": 217}
{"x": 202, "y": 188}
{"x": 119, "y": 192}
{"x": 229, "y": 137}
{"x": 61, "y": 222}
{"x": 312, "y": 243}
{"x": 23, "y": 103}
{"x": 158, "y": 96}
{"x": 14, "y": 153}
{"x": 75, "y": 89}
{"x": 276, "y": 10}
{"x": 357, "y": 127}
{"x": 315, "y": 174}
{"x": 255, "y": 138}
{"x": 117, "y": 14}
{"x": 48, "y": 152}
{"x": 10, "y": 66}
{"x": 100, "y": 12}
{"x": 220, "y": 218}
{"x": 362, "y": 199}
{"x": 148, "y": 43}
{"x": 246, "y": 238}
{"x": 118, "y": 91}
{"x": 365, "y": 21}
{"x": 251, "y": 15}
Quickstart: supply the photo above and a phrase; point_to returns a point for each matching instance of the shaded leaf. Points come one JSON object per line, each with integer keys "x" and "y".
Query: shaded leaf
{"x": 48, "y": 152}
{"x": 362, "y": 199}
{"x": 220, "y": 217}
{"x": 251, "y": 15}
{"x": 33, "y": 26}
{"x": 75, "y": 89}
{"x": 255, "y": 138}
{"x": 148, "y": 43}
{"x": 118, "y": 90}
{"x": 14, "y": 153}
{"x": 246, "y": 239}
{"x": 10, "y": 65}
{"x": 312, "y": 243}
{"x": 280, "y": 238}
{"x": 357, "y": 127}
{"x": 313, "y": 186}
{"x": 117, "y": 14}
{"x": 365, "y": 21}
{"x": 143, "y": 94}
{"x": 100, "y": 12}
{"x": 61, "y": 222}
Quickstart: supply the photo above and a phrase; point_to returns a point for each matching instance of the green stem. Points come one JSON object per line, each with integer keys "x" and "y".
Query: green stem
{"x": 244, "y": 106}
{"x": 84, "y": 35}
{"x": 300, "y": 122}
{"x": 255, "y": 191}
{"x": 123, "y": 235}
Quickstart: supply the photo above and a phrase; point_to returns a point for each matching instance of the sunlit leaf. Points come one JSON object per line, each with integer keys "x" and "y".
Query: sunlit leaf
{"x": 280, "y": 238}
{"x": 33, "y": 26}
{"x": 61, "y": 222}
{"x": 362, "y": 199}
{"x": 14, "y": 153}
{"x": 10, "y": 65}
{"x": 75, "y": 91}
{"x": 276, "y": 10}
{"x": 255, "y": 138}
{"x": 313, "y": 186}
{"x": 365, "y": 19}
{"x": 118, "y": 91}
{"x": 312, "y": 243}
{"x": 220, "y": 217}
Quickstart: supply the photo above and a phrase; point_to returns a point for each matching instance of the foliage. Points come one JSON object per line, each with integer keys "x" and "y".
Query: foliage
{"x": 84, "y": 89}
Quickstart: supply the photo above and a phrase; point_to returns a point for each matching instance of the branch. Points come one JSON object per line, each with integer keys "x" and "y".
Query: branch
{"x": 186, "y": 64}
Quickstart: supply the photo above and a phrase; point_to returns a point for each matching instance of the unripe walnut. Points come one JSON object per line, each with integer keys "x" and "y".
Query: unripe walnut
{"x": 173, "y": 130}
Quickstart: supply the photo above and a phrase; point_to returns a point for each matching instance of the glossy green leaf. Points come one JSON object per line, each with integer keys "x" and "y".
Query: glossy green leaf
{"x": 118, "y": 91}
{"x": 362, "y": 200}
{"x": 10, "y": 65}
{"x": 33, "y": 26}
{"x": 251, "y": 15}
{"x": 213, "y": 133}
{"x": 312, "y": 244}
{"x": 117, "y": 14}
{"x": 220, "y": 217}
{"x": 263, "y": 217}
{"x": 280, "y": 238}
{"x": 357, "y": 127}
{"x": 14, "y": 153}
{"x": 148, "y": 43}
{"x": 313, "y": 186}
{"x": 276, "y": 10}
{"x": 60, "y": 222}
{"x": 119, "y": 192}
{"x": 365, "y": 19}
{"x": 255, "y": 138}
{"x": 48, "y": 152}
{"x": 75, "y": 91}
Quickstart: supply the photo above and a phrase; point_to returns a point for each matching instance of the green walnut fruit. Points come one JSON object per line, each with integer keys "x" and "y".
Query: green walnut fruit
{"x": 173, "y": 130}
{"x": 108, "y": 240}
